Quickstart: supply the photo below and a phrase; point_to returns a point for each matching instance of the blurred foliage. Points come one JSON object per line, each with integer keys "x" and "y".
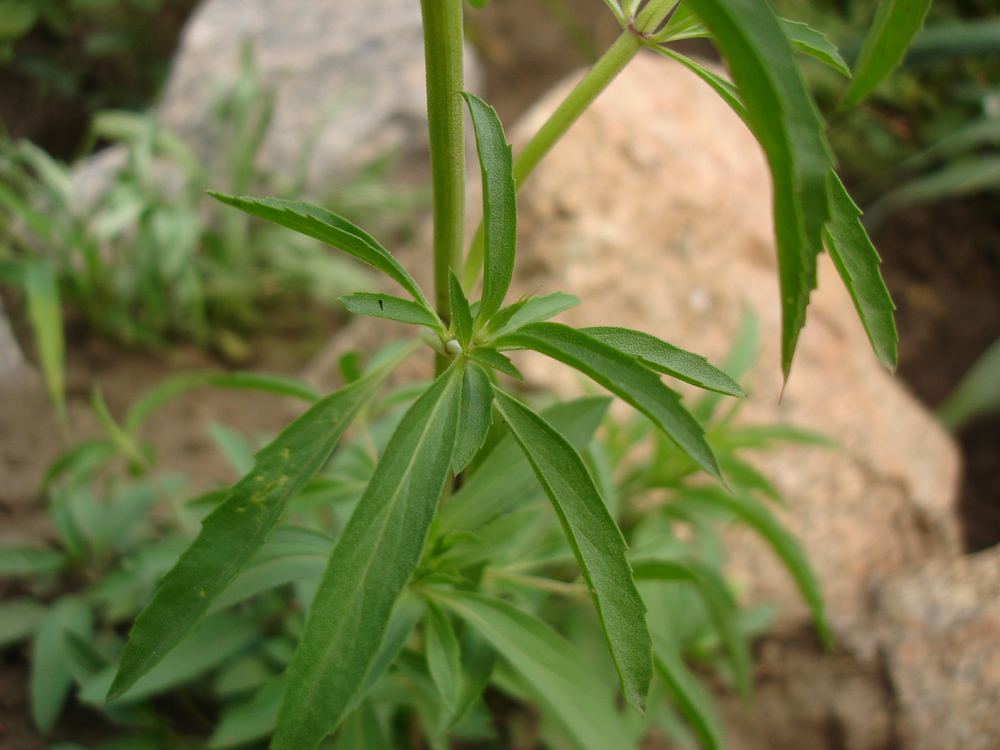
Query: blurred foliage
{"x": 105, "y": 53}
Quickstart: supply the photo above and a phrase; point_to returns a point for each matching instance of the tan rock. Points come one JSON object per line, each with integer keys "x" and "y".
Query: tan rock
{"x": 942, "y": 645}
{"x": 655, "y": 211}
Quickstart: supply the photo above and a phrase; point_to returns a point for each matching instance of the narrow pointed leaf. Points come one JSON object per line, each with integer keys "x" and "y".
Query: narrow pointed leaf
{"x": 531, "y": 310}
{"x": 51, "y": 677}
{"x": 330, "y": 228}
{"x": 393, "y": 308}
{"x": 475, "y": 417}
{"x": 895, "y": 25}
{"x": 233, "y": 533}
{"x": 596, "y": 541}
{"x": 857, "y": 263}
{"x": 719, "y": 602}
{"x": 556, "y": 672}
{"x": 978, "y": 392}
{"x": 624, "y": 376}
{"x": 815, "y": 44}
{"x": 666, "y": 358}
{"x": 443, "y": 655}
{"x": 499, "y": 207}
{"x": 689, "y": 696}
{"x": 784, "y": 118}
{"x": 490, "y": 357}
{"x": 45, "y": 313}
{"x": 461, "y": 315}
{"x": 724, "y": 88}
{"x": 374, "y": 557}
{"x": 781, "y": 541}
{"x": 478, "y": 659}
{"x": 504, "y": 478}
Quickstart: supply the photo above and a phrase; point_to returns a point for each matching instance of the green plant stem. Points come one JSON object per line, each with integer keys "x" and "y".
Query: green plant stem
{"x": 443, "y": 49}
{"x": 612, "y": 62}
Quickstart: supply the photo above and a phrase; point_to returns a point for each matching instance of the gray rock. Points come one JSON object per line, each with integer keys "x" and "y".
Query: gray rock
{"x": 348, "y": 75}
{"x": 941, "y": 637}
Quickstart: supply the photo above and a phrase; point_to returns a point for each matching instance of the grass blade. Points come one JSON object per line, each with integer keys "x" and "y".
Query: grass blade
{"x": 596, "y": 541}
{"x": 499, "y": 206}
{"x": 895, "y": 25}
{"x": 784, "y": 118}
{"x": 556, "y": 673}
{"x": 857, "y": 263}
{"x": 666, "y": 358}
{"x": 233, "y": 533}
{"x": 624, "y": 376}
{"x": 330, "y": 228}
{"x": 372, "y": 561}
{"x": 476, "y": 415}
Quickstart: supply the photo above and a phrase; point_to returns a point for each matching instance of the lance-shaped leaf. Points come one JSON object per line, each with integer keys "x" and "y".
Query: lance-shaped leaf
{"x": 895, "y": 25}
{"x": 443, "y": 654}
{"x": 531, "y": 310}
{"x": 41, "y": 287}
{"x": 718, "y": 600}
{"x": 626, "y": 377}
{"x": 783, "y": 117}
{"x": 374, "y": 557}
{"x": 724, "y": 88}
{"x": 461, "y": 314}
{"x": 490, "y": 357}
{"x": 556, "y": 673}
{"x": 51, "y": 676}
{"x": 476, "y": 415}
{"x": 499, "y": 206}
{"x": 689, "y": 696}
{"x": 504, "y": 479}
{"x": 815, "y": 44}
{"x": 393, "y": 308}
{"x": 596, "y": 541}
{"x": 782, "y": 542}
{"x": 330, "y": 228}
{"x": 233, "y": 533}
{"x": 666, "y": 358}
{"x": 857, "y": 263}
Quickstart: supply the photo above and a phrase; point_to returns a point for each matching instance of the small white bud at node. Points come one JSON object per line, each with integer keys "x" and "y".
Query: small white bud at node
{"x": 453, "y": 347}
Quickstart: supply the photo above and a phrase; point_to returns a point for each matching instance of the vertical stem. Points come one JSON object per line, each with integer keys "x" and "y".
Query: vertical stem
{"x": 443, "y": 48}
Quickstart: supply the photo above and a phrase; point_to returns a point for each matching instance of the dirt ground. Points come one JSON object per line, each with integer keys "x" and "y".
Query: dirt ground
{"x": 942, "y": 265}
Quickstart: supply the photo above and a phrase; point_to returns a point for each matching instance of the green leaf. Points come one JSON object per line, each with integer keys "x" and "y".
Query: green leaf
{"x": 978, "y": 392}
{"x": 556, "y": 673}
{"x": 232, "y": 534}
{"x": 362, "y": 730}
{"x": 895, "y": 24}
{"x": 51, "y": 677}
{"x": 719, "y": 602}
{"x": 596, "y": 541}
{"x": 499, "y": 205}
{"x": 531, "y": 310}
{"x": 374, "y": 557}
{"x": 783, "y": 117}
{"x": 478, "y": 659}
{"x": 461, "y": 315}
{"x": 19, "y": 618}
{"x": 17, "y": 17}
{"x": 290, "y": 554}
{"x": 327, "y": 227}
{"x": 490, "y": 357}
{"x": 393, "y": 308}
{"x": 689, "y": 696}
{"x": 504, "y": 478}
{"x": 475, "y": 417}
{"x": 443, "y": 655}
{"x": 724, "y": 88}
{"x": 253, "y": 720}
{"x": 28, "y": 562}
{"x": 781, "y": 541}
{"x": 857, "y": 263}
{"x": 41, "y": 287}
{"x": 212, "y": 642}
{"x": 624, "y": 376}
{"x": 666, "y": 358}
{"x": 178, "y": 385}
{"x": 815, "y": 44}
